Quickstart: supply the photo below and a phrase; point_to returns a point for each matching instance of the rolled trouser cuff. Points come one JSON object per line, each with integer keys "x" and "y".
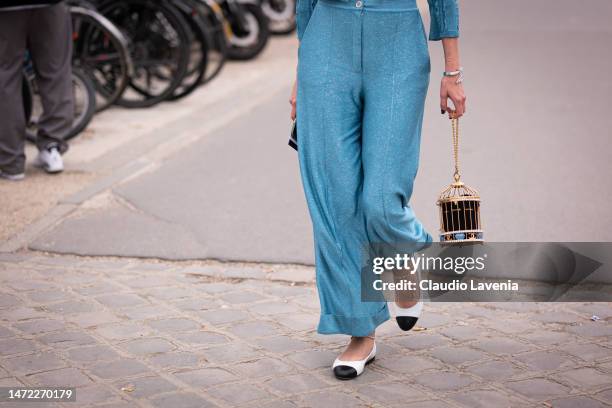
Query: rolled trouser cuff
{"x": 359, "y": 326}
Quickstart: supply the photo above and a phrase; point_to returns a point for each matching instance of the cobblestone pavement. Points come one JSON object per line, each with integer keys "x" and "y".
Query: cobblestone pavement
{"x": 138, "y": 333}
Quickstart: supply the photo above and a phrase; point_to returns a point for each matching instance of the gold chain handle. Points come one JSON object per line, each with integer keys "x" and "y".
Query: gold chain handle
{"x": 455, "y": 125}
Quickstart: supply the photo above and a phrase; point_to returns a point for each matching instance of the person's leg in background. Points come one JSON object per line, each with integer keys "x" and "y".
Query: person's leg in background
{"x": 13, "y": 31}
{"x": 50, "y": 43}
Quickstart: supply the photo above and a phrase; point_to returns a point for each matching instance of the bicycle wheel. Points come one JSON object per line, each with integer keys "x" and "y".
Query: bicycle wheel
{"x": 281, "y": 14}
{"x": 213, "y": 16}
{"x": 84, "y": 92}
{"x": 198, "y": 55}
{"x": 101, "y": 51}
{"x": 84, "y": 102}
{"x": 247, "y": 43}
{"x": 159, "y": 45}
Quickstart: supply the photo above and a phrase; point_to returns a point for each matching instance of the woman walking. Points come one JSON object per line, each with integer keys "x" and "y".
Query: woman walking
{"x": 362, "y": 78}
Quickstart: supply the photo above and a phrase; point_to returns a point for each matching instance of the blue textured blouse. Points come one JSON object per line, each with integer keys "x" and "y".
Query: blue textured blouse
{"x": 444, "y": 18}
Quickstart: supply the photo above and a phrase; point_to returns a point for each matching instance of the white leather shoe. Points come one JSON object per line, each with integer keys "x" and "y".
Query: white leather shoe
{"x": 50, "y": 160}
{"x": 346, "y": 370}
{"x": 406, "y": 318}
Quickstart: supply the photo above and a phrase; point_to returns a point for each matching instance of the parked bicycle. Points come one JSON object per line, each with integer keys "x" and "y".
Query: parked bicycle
{"x": 158, "y": 41}
{"x": 138, "y": 53}
{"x": 101, "y": 51}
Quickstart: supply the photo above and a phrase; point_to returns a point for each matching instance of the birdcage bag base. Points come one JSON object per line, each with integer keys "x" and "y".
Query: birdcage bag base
{"x": 459, "y": 207}
{"x": 462, "y": 237}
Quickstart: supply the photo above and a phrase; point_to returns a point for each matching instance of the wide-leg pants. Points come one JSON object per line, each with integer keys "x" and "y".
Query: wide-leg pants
{"x": 363, "y": 73}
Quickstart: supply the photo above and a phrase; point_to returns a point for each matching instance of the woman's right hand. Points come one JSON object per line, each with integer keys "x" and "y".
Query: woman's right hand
{"x": 293, "y": 98}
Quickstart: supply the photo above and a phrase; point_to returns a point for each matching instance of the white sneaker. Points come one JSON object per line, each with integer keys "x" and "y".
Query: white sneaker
{"x": 50, "y": 160}
{"x": 12, "y": 177}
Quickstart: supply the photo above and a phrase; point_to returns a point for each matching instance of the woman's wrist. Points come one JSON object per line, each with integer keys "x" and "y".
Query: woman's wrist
{"x": 455, "y": 76}
{"x": 451, "y": 60}
{"x": 450, "y": 66}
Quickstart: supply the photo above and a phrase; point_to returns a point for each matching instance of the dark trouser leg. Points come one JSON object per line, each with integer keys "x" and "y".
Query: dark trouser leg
{"x": 12, "y": 119}
{"x": 50, "y": 42}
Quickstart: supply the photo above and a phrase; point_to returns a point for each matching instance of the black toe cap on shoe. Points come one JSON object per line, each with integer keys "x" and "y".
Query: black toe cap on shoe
{"x": 345, "y": 372}
{"x": 406, "y": 322}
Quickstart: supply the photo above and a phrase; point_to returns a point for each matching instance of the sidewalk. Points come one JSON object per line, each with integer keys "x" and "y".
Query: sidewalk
{"x": 140, "y": 333}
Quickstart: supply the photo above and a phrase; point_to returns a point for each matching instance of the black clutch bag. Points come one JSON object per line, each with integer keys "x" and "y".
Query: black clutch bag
{"x": 293, "y": 135}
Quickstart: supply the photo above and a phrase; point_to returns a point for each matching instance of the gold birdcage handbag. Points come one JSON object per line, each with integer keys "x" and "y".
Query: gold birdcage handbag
{"x": 459, "y": 205}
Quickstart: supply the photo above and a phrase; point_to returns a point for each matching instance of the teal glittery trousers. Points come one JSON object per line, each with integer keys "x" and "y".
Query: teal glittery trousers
{"x": 363, "y": 73}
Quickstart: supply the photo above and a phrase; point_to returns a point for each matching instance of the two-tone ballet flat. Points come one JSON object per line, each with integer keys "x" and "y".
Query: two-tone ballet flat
{"x": 347, "y": 370}
{"x": 406, "y": 318}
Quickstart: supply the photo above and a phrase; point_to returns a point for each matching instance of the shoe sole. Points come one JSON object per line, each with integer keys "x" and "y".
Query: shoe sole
{"x": 18, "y": 178}
{"x": 53, "y": 171}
